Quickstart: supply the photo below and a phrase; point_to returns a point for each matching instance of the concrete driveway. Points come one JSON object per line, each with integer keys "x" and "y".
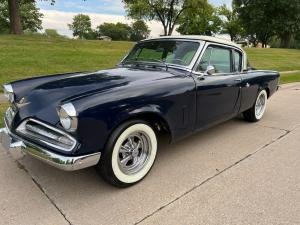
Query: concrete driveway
{"x": 235, "y": 173}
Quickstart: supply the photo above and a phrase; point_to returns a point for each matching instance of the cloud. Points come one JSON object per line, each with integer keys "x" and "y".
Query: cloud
{"x": 115, "y": 7}
{"x": 54, "y": 19}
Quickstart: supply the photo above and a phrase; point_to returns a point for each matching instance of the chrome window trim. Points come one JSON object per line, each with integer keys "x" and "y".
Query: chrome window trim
{"x": 207, "y": 44}
{"x": 22, "y": 127}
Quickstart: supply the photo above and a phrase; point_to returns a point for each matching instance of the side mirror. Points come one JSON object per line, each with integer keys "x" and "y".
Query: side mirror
{"x": 210, "y": 70}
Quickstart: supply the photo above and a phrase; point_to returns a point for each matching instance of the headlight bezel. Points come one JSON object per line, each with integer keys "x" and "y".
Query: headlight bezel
{"x": 68, "y": 117}
{"x": 9, "y": 92}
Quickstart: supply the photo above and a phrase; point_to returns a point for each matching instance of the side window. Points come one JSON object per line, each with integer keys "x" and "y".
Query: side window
{"x": 218, "y": 57}
{"x": 237, "y": 61}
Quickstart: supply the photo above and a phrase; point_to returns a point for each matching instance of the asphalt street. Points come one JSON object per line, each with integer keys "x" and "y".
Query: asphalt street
{"x": 234, "y": 173}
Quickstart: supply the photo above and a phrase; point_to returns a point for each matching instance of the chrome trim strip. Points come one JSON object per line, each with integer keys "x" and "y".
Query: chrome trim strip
{"x": 22, "y": 127}
{"x": 19, "y": 147}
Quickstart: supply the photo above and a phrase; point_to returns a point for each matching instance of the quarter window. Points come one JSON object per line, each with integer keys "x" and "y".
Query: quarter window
{"x": 237, "y": 61}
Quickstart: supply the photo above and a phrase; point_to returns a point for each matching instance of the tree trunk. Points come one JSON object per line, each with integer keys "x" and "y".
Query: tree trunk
{"x": 165, "y": 30}
{"x": 171, "y": 29}
{"x": 285, "y": 40}
{"x": 14, "y": 17}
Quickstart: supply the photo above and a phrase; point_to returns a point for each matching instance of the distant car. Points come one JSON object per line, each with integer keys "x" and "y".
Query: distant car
{"x": 177, "y": 85}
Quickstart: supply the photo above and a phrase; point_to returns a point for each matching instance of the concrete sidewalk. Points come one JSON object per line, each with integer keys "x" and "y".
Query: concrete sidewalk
{"x": 234, "y": 173}
{"x": 2, "y": 98}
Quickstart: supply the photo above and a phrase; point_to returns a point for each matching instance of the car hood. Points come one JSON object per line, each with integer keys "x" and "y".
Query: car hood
{"x": 42, "y": 100}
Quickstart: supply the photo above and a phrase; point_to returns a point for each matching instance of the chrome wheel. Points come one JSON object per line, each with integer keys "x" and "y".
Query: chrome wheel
{"x": 134, "y": 153}
{"x": 260, "y": 105}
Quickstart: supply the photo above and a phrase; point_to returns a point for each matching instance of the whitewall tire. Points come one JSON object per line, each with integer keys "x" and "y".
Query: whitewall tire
{"x": 257, "y": 111}
{"x": 129, "y": 155}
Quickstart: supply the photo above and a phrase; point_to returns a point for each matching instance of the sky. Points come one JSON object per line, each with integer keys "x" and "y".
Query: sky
{"x": 60, "y": 14}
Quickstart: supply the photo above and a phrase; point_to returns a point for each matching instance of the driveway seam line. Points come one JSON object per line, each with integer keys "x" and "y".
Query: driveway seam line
{"x": 44, "y": 192}
{"x": 212, "y": 177}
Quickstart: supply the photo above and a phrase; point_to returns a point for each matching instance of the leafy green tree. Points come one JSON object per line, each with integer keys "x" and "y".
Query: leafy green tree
{"x": 139, "y": 30}
{"x": 81, "y": 26}
{"x": 231, "y": 23}
{"x": 201, "y": 20}
{"x": 257, "y": 19}
{"x": 118, "y": 31}
{"x": 167, "y": 12}
{"x": 286, "y": 15}
{"x": 29, "y": 14}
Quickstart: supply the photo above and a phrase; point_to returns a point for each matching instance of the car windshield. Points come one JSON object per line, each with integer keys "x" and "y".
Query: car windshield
{"x": 163, "y": 51}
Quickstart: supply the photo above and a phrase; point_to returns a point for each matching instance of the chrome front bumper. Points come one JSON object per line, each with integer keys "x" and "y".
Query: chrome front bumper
{"x": 18, "y": 148}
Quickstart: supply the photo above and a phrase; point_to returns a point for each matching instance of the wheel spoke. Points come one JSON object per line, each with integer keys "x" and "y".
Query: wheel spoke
{"x": 138, "y": 145}
{"x": 126, "y": 159}
{"x": 131, "y": 142}
{"x": 124, "y": 149}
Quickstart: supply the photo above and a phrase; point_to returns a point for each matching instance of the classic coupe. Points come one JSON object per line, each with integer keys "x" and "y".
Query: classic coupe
{"x": 111, "y": 118}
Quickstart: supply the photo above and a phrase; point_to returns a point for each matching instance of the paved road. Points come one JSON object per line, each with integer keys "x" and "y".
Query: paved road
{"x": 235, "y": 173}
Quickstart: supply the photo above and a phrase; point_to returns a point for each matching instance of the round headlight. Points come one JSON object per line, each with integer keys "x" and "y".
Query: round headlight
{"x": 66, "y": 122}
{"x": 67, "y": 117}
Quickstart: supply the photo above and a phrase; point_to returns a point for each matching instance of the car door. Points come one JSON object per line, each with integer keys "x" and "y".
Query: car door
{"x": 218, "y": 93}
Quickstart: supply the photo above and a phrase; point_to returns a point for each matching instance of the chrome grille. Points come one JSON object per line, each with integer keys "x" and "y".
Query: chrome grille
{"x": 45, "y": 134}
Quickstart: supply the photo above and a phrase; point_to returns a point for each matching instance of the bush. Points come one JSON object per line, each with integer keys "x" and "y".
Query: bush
{"x": 52, "y": 33}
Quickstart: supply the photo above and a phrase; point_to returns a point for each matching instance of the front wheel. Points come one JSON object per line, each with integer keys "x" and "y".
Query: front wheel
{"x": 257, "y": 111}
{"x": 129, "y": 154}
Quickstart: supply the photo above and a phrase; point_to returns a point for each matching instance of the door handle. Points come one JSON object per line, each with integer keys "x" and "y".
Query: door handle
{"x": 238, "y": 79}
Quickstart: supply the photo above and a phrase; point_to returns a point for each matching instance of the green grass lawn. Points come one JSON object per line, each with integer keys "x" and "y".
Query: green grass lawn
{"x": 290, "y": 77}
{"x": 27, "y": 56}
{"x": 274, "y": 58}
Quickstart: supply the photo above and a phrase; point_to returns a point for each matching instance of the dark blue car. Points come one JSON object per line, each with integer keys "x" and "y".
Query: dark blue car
{"x": 111, "y": 118}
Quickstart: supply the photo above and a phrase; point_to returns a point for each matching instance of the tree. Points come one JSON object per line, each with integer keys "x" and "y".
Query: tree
{"x": 287, "y": 20}
{"x": 257, "y": 19}
{"x": 231, "y": 23}
{"x": 29, "y": 14}
{"x": 81, "y": 26}
{"x": 139, "y": 30}
{"x": 201, "y": 20}
{"x": 118, "y": 31}
{"x": 168, "y": 12}
{"x": 14, "y": 17}
{"x": 264, "y": 19}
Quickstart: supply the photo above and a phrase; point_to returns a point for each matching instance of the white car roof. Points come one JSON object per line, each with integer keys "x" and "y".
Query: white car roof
{"x": 200, "y": 38}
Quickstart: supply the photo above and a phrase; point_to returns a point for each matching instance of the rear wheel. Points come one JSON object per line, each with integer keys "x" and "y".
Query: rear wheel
{"x": 257, "y": 111}
{"x": 129, "y": 154}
